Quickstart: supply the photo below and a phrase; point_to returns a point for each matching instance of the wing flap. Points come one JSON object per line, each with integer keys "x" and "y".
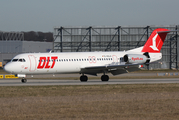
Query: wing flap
{"x": 118, "y": 71}
{"x": 114, "y": 69}
{"x": 132, "y": 69}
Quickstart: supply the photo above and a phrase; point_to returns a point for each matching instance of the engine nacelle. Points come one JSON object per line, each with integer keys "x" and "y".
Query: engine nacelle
{"x": 136, "y": 58}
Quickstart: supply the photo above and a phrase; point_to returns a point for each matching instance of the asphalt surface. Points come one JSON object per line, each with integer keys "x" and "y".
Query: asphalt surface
{"x": 64, "y": 79}
{"x": 41, "y": 82}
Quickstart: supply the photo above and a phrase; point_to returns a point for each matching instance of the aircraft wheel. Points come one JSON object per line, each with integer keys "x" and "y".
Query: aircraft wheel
{"x": 83, "y": 78}
{"x": 104, "y": 77}
{"x": 24, "y": 80}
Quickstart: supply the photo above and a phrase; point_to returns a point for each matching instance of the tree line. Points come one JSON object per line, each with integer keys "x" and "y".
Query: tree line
{"x": 38, "y": 36}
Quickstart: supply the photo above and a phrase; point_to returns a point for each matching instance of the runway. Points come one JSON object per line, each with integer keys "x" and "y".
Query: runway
{"x": 41, "y": 82}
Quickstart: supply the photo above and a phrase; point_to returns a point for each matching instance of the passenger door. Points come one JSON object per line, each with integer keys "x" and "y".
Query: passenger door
{"x": 33, "y": 64}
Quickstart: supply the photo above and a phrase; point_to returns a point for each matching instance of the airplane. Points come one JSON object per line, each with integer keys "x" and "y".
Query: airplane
{"x": 90, "y": 63}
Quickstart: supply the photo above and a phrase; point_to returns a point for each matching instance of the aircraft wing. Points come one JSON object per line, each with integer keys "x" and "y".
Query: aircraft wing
{"x": 114, "y": 69}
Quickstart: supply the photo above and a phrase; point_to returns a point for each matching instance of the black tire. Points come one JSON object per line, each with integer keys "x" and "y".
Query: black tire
{"x": 83, "y": 78}
{"x": 24, "y": 80}
{"x": 104, "y": 77}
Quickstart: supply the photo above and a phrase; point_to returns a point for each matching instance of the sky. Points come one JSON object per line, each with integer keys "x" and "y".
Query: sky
{"x": 44, "y": 15}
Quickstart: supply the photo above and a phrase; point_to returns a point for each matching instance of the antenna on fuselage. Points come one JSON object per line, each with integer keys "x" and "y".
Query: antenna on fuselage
{"x": 51, "y": 51}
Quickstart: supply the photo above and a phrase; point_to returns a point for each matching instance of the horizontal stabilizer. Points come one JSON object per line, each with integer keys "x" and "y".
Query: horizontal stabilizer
{"x": 168, "y": 31}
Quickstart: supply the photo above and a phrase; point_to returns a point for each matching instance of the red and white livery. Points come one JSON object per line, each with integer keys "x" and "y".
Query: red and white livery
{"x": 91, "y": 63}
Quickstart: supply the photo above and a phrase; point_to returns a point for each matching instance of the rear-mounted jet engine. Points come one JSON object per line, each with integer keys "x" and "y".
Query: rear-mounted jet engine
{"x": 136, "y": 58}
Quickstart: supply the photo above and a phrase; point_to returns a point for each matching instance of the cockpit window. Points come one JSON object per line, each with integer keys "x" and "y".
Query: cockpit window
{"x": 14, "y": 60}
{"x": 19, "y": 60}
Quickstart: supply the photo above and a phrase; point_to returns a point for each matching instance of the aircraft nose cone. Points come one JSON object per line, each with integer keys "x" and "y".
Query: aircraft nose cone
{"x": 7, "y": 68}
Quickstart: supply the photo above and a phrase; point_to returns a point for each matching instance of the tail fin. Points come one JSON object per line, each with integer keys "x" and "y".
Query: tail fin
{"x": 155, "y": 41}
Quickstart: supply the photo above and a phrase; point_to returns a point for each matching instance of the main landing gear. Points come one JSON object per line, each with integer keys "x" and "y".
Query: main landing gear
{"x": 24, "y": 80}
{"x": 104, "y": 77}
{"x": 84, "y": 78}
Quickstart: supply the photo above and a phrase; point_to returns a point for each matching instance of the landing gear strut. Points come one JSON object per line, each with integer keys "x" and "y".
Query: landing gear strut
{"x": 104, "y": 77}
{"x": 83, "y": 78}
{"x": 24, "y": 80}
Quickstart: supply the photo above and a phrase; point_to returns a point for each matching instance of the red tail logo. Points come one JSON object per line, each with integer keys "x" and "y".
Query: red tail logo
{"x": 155, "y": 41}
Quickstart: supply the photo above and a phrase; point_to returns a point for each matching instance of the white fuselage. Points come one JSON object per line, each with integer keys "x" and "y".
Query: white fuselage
{"x": 44, "y": 63}
{"x": 37, "y": 63}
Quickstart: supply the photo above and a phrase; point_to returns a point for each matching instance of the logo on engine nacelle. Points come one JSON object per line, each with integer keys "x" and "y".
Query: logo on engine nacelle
{"x": 44, "y": 62}
{"x": 134, "y": 59}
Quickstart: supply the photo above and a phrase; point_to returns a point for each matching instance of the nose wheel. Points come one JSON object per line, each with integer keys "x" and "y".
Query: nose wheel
{"x": 24, "y": 80}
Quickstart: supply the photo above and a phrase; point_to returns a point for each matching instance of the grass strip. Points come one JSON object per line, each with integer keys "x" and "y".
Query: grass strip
{"x": 139, "y": 101}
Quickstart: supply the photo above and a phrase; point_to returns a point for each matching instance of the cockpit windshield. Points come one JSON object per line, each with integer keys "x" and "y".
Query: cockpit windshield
{"x": 18, "y": 60}
{"x": 21, "y": 60}
{"x": 14, "y": 60}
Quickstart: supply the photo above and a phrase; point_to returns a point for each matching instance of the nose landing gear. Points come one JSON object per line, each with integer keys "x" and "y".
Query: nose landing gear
{"x": 24, "y": 80}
